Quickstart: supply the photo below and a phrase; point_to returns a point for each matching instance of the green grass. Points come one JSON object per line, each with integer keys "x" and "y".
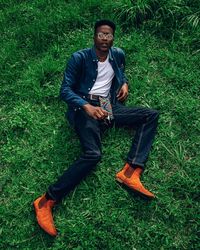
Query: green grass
{"x": 37, "y": 144}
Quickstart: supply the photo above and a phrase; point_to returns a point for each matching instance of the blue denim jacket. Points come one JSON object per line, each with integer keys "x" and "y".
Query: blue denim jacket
{"x": 80, "y": 76}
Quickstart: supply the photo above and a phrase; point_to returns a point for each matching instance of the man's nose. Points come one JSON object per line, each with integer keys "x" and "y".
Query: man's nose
{"x": 105, "y": 38}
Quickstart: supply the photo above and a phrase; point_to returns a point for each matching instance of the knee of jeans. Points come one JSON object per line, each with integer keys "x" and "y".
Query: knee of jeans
{"x": 155, "y": 114}
{"x": 94, "y": 155}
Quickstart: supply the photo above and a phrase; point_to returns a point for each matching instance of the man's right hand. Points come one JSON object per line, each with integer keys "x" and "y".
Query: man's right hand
{"x": 96, "y": 112}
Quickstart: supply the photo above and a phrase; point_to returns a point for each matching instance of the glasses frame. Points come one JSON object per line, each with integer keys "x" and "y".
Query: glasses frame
{"x": 108, "y": 36}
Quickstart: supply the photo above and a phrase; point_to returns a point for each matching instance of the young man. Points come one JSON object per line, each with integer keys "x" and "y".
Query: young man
{"x": 93, "y": 79}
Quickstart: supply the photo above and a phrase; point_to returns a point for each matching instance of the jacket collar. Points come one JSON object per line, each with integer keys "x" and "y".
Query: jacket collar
{"x": 94, "y": 56}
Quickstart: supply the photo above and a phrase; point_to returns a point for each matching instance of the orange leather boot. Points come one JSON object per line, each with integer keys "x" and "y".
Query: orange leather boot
{"x": 131, "y": 178}
{"x": 44, "y": 216}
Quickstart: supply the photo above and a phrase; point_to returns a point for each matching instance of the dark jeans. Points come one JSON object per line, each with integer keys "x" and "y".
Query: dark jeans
{"x": 89, "y": 130}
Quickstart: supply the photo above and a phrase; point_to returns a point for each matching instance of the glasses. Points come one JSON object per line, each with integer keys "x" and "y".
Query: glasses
{"x": 107, "y": 36}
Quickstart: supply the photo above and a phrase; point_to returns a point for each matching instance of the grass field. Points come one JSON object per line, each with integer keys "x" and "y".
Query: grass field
{"x": 37, "y": 144}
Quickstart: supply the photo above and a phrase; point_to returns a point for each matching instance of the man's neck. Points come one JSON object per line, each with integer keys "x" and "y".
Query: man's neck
{"x": 101, "y": 55}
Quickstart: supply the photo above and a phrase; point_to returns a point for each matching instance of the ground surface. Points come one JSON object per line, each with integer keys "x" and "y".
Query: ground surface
{"x": 38, "y": 38}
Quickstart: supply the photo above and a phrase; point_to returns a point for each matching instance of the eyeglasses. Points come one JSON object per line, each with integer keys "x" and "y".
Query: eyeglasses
{"x": 107, "y": 36}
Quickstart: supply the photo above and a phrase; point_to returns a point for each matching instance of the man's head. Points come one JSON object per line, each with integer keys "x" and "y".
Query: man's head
{"x": 104, "y": 35}
{"x": 104, "y": 22}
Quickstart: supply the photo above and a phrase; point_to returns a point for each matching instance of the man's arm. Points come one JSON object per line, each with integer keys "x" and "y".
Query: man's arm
{"x": 70, "y": 82}
{"x": 68, "y": 94}
{"x": 123, "y": 91}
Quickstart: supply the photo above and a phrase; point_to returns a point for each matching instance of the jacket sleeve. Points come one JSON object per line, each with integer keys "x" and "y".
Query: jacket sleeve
{"x": 70, "y": 82}
{"x": 122, "y": 64}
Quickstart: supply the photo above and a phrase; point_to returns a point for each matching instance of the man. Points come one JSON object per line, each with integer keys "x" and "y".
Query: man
{"x": 94, "y": 77}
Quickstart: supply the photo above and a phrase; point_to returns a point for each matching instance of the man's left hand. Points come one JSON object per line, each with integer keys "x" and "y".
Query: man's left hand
{"x": 123, "y": 92}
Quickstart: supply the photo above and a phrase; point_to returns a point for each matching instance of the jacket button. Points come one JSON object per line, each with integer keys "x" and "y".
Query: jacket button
{"x": 93, "y": 80}
{"x": 88, "y": 88}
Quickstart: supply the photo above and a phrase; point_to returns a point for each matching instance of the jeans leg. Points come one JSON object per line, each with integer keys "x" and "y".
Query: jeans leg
{"x": 88, "y": 130}
{"x": 144, "y": 121}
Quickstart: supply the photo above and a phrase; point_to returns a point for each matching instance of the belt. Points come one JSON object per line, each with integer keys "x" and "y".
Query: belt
{"x": 92, "y": 97}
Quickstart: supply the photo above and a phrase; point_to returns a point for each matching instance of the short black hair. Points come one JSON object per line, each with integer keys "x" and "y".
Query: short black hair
{"x": 104, "y": 22}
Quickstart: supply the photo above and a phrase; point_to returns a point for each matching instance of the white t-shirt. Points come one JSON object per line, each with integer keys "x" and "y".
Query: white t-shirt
{"x": 104, "y": 79}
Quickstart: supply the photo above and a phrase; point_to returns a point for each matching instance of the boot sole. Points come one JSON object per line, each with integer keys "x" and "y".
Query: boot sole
{"x": 134, "y": 190}
{"x": 119, "y": 180}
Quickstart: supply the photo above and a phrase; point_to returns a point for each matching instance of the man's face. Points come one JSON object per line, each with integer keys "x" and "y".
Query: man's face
{"x": 103, "y": 39}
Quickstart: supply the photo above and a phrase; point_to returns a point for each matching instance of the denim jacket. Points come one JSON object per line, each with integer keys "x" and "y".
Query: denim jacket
{"x": 80, "y": 76}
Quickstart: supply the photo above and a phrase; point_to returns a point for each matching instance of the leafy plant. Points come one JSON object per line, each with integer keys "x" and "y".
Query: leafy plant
{"x": 168, "y": 19}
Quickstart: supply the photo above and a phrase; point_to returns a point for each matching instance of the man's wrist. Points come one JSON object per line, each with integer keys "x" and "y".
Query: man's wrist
{"x": 86, "y": 106}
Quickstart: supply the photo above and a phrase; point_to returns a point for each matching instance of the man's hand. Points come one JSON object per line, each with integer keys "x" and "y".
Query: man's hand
{"x": 123, "y": 92}
{"x": 96, "y": 112}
